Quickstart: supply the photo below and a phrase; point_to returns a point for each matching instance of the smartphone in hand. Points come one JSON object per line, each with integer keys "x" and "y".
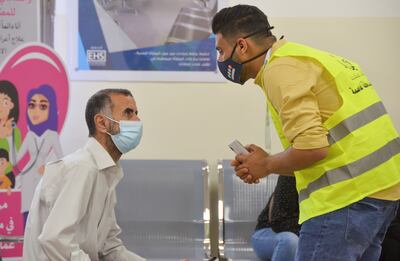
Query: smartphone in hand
{"x": 238, "y": 148}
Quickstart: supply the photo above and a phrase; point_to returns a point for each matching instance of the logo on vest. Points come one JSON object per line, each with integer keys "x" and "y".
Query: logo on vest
{"x": 361, "y": 86}
{"x": 347, "y": 64}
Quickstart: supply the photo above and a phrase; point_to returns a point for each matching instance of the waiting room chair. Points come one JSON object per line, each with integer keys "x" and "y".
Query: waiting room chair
{"x": 239, "y": 205}
{"x": 163, "y": 208}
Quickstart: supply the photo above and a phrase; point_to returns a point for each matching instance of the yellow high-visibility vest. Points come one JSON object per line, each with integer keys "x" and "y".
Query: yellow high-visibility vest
{"x": 364, "y": 151}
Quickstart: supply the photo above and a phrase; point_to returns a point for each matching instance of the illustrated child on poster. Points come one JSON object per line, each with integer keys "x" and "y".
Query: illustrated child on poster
{"x": 5, "y": 182}
{"x": 10, "y": 135}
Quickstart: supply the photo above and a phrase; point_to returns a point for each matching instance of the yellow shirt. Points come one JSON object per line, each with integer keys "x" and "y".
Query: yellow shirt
{"x": 305, "y": 95}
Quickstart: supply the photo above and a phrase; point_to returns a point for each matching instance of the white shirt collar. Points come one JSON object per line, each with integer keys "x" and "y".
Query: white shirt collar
{"x": 101, "y": 156}
{"x": 268, "y": 55}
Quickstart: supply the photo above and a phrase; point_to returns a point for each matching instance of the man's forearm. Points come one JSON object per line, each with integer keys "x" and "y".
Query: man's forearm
{"x": 122, "y": 254}
{"x": 57, "y": 249}
{"x": 290, "y": 160}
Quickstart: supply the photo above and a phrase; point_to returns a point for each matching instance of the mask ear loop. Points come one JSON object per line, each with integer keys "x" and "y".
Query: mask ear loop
{"x": 259, "y": 31}
{"x": 233, "y": 51}
{"x": 110, "y": 120}
{"x": 250, "y": 35}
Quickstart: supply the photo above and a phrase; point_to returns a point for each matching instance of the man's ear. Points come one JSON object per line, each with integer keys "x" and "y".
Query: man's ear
{"x": 242, "y": 46}
{"x": 101, "y": 125}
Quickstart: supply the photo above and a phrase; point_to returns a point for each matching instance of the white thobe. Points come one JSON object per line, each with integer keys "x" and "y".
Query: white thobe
{"x": 72, "y": 215}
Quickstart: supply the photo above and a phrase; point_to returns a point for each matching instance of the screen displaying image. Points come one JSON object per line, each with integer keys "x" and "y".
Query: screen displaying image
{"x": 146, "y": 35}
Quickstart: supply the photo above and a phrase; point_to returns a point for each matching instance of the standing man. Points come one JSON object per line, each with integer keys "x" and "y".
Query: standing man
{"x": 339, "y": 141}
{"x": 72, "y": 215}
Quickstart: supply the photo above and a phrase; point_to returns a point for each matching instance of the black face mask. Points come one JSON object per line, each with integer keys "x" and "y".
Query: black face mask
{"x": 232, "y": 70}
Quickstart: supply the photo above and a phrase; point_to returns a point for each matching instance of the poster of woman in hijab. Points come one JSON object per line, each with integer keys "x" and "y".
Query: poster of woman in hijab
{"x": 42, "y": 141}
{"x": 34, "y": 93}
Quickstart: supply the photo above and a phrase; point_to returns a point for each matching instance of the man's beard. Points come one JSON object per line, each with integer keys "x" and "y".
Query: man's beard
{"x": 109, "y": 142}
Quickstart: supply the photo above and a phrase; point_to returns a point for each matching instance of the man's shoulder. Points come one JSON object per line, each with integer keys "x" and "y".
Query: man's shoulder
{"x": 289, "y": 70}
{"x": 77, "y": 166}
{"x": 79, "y": 160}
{"x": 290, "y": 62}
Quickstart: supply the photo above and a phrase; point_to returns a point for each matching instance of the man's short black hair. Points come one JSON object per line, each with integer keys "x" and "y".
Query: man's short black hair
{"x": 4, "y": 154}
{"x": 241, "y": 20}
{"x": 100, "y": 102}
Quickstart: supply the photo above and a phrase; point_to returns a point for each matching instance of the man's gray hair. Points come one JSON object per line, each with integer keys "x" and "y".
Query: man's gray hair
{"x": 100, "y": 102}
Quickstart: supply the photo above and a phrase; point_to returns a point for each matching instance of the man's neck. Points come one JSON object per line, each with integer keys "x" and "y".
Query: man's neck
{"x": 255, "y": 66}
{"x": 115, "y": 154}
{"x": 109, "y": 146}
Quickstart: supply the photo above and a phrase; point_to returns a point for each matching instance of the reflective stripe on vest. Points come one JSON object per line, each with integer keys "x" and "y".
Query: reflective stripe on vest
{"x": 356, "y": 121}
{"x": 360, "y": 166}
{"x": 357, "y": 168}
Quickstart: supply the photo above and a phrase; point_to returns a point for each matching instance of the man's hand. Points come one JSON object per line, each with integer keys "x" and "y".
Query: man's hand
{"x": 250, "y": 168}
{"x": 258, "y": 163}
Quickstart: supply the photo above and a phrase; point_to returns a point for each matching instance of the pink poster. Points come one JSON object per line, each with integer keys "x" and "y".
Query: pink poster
{"x": 10, "y": 222}
{"x": 33, "y": 105}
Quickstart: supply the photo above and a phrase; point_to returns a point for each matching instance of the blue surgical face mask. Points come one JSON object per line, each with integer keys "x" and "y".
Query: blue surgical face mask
{"x": 129, "y": 136}
{"x": 232, "y": 70}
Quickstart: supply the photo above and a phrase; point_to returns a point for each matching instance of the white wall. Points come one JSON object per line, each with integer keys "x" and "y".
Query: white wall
{"x": 325, "y": 8}
{"x": 186, "y": 120}
{"x": 196, "y": 121}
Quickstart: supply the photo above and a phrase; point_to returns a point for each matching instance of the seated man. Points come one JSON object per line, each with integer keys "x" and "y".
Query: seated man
{"x": 72, "y": 214}
{"x": 277, "y": 230}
